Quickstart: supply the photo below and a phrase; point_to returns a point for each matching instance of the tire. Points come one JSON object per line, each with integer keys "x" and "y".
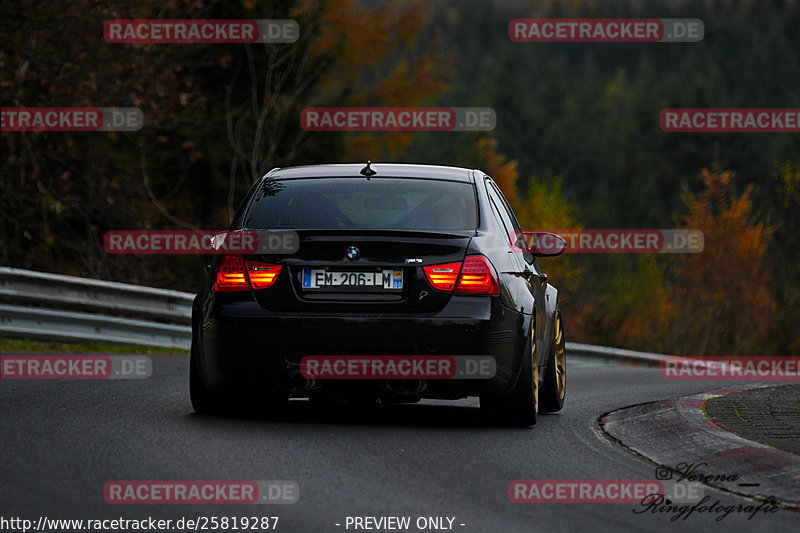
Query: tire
{"x": 518, "y": 407}
{"x": 204, "y": 400}
{"x": 554, "y": 387}
{"x": 240, "y": 403}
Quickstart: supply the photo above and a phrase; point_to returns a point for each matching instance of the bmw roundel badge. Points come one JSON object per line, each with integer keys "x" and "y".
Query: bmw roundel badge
{"x": 353, "y": 253}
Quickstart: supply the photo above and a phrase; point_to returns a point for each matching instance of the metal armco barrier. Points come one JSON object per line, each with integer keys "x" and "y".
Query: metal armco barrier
{"x": 52, "y": 307}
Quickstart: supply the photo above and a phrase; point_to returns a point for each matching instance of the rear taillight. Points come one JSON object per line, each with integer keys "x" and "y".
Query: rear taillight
{"x": 475, "y": 276}
{"x": 231, "y": 275}
{"x": 236, "y": 274}
{"x": 442, "y": 277}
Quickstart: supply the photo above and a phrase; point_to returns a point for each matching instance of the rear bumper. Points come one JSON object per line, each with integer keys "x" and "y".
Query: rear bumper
{"x": 240, "y": 344}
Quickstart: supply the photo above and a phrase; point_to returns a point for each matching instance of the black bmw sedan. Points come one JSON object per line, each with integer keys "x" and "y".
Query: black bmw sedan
{"x": 406, "y": 283}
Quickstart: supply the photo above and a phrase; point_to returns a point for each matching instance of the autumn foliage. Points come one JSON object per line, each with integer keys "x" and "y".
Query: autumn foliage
{"x": 376, "y": 62}
{"x": 716, "y": 302}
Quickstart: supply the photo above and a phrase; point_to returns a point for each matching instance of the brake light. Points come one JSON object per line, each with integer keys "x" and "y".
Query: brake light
{"x": 442, "y": 277}
{"x": 236, "y": 274}
{"x": 231, "y": 276}
{"x": 262, "y": 275}
{"x": 477, "y": 277}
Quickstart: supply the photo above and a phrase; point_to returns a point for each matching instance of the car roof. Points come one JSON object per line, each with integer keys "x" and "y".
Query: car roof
{"x": 393, "y": 170}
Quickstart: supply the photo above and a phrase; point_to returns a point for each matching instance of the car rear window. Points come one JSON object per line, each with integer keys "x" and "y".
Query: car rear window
{"x": 358, "y": 203}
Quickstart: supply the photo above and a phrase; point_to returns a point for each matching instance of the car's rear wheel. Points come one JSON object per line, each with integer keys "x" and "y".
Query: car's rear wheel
{"x": 554, "y": 387}
{"x": 517, "y": 408}
{"x": 240, "y": 402}
{"x": 204, "y": 400}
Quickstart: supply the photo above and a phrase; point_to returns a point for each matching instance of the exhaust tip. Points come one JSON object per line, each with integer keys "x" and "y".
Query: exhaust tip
{"x": 294, "y": 381}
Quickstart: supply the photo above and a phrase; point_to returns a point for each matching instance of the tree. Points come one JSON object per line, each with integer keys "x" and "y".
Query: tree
{"x": 722, "y": 305}
{"x": 376, "y": 61}
{"x": 783, "y": 255}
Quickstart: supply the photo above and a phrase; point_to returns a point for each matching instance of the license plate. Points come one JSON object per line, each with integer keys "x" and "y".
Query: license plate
{"x": 373, "y": 281}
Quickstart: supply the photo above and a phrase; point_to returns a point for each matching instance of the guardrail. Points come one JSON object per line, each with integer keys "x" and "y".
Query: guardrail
{"x": 617, "y": 354}
{"x": 143, "y": 315}
{"x": 74, "y": 309}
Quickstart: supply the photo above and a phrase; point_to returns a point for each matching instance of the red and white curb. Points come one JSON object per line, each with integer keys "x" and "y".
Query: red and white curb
{"x": 677, "y": 434}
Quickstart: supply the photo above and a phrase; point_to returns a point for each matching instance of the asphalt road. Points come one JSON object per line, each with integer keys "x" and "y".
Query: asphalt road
{"x": 61, "y": 441}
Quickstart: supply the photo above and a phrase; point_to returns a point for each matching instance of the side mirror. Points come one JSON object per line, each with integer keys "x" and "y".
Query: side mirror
{"x": 540, "y": 243}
